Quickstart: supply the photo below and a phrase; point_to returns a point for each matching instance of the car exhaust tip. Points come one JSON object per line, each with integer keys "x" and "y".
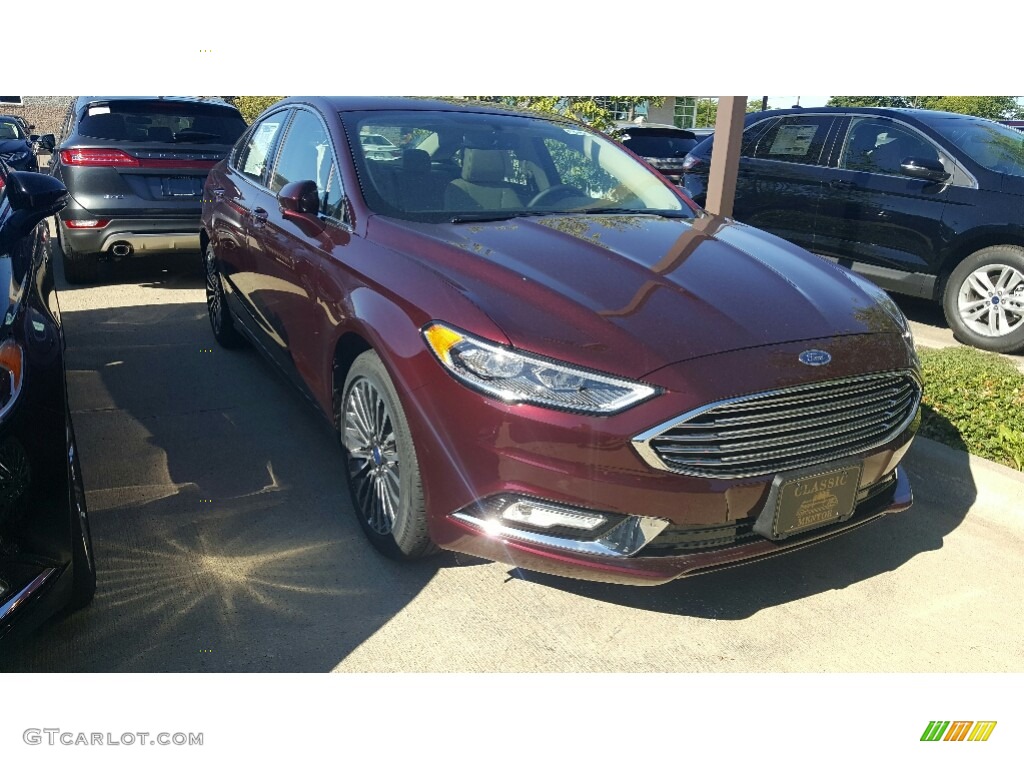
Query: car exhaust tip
{"x": 122, "y": 249}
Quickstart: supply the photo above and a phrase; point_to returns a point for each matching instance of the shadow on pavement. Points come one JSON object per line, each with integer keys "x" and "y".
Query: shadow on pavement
{"x": 223, "y": 530}
{"x": 943, "y": 497}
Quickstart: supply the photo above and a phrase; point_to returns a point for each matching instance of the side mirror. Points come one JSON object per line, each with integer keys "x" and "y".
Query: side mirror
{"x": 923, "y": 168}
{"x": 33, "y": 197}
{"x": 33, "y": 137}
{"x": 47, "y": 142}
{"x": 35, "y": 193}
{"x": 300, "y": 204}
{"x": 299, "y": 199}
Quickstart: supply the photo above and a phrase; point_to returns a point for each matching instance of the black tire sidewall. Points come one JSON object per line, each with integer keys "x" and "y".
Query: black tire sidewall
{"x": 226, "y": 334}
{"x": 1010, "y": 255}
{"x": 79, "y": 268}
{"x": 408, "y": 538}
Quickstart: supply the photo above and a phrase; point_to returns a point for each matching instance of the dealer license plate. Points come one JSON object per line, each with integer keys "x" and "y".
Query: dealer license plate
{"x": 813, "y": 500}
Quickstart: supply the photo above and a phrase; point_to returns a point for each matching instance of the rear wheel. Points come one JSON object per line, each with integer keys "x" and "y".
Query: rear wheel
{"x": 984, "y": 299}
{"x": 79, "y": 268}
{"x": 383, "y": 473}
{"x": 221, "y": 322}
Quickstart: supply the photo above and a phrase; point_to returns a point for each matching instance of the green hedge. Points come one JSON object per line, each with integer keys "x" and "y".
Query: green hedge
{"x": 974, "y": 401}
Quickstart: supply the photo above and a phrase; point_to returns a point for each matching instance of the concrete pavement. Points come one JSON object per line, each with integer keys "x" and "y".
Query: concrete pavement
{"x": 226, "y": 542}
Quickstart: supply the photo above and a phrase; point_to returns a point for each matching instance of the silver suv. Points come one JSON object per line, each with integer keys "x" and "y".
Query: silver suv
{"x": 135, "y": 168}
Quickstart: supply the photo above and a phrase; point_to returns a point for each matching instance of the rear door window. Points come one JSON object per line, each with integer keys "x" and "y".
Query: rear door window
{"x": 255, "y": 154}
{"x": 794, "y": 139}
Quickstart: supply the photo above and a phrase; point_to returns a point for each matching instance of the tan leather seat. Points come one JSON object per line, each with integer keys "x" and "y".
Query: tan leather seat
{"x": 483, "y": 185}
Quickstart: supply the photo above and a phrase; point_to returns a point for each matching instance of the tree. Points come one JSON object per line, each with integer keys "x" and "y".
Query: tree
{"x": 707, "y": 113}
{"x": 592, "y": 110}
{"x": 754, "y": 105}
{"x": 991, "y": 107}
{"x": 252, "y": 106}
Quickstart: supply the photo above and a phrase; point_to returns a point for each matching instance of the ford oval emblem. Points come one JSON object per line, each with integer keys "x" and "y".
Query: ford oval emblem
{"x": 815, "y": 357}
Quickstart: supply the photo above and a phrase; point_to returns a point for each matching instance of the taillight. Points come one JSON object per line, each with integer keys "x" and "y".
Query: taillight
{"x": 86, "y": 223}
{"x": 2, "y": 182}
{"x": 98, "y": 157}
{"x": 690, "y": 162}
{"x": 116, "y": 158}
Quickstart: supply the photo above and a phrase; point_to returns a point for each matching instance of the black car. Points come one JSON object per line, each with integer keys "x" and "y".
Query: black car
{"x": 923, "y": 203}
{"x": 16, "y": 145}
{"x": 46, "y": 560}
{"x": 664, "y": 147}
{"x": 135, "y": 169}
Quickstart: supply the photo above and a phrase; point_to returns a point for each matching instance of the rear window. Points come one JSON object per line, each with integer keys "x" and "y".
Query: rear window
{"x": 162, "y": 122}
{"x": 659, "y": 143}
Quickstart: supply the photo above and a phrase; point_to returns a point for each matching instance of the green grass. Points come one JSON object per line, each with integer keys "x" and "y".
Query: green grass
{"x": 974, "y": 401}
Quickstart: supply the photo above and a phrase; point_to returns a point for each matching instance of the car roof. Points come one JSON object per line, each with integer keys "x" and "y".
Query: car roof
{"x": 412, "y": 103}
{"x": 82, "y": 101}
{"x": 921, "y": 114}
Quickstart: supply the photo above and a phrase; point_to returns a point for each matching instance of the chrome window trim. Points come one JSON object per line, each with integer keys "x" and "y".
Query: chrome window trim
{"x": 642, "y": 442}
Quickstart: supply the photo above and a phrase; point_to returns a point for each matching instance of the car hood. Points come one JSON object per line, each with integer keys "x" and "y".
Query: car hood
{"x": 630, "y": 294}
{"x": 13, "y": 145}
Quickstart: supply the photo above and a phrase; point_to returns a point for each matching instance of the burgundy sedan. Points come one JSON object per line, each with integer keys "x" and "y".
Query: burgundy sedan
{"x": 536, "y": 350}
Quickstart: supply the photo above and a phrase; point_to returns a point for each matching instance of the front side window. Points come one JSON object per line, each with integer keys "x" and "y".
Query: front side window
{"x": 877, "y": 145}
{"x": 993, "y": 146}
{"x": 794, "y": 139}
{"x": 305, "y": 154}
{"x": 476, "y": 163}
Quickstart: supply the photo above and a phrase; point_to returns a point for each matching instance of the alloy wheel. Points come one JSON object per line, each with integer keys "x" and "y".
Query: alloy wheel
{"x": 368, "y": 435}
{"x": 991, "y": 300}
{"x": 214, "y": 295}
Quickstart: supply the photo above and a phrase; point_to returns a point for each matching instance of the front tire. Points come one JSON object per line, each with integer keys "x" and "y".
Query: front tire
{"x": 383, "y": 472}
{"x": 83, "y": 564}
{"x": 984, "y": 299}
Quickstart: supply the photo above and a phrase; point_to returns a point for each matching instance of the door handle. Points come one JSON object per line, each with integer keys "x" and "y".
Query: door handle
{"x": 259, "y": 216}
{"x": 840, "y": 184}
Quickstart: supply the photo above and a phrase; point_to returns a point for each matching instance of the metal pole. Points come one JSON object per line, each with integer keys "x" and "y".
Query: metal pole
{"x": 725, "y": 155}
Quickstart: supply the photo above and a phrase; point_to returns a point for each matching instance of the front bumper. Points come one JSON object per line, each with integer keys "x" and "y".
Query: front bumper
{"x": 493, "y": 450}
{"x": 646, "y": 569}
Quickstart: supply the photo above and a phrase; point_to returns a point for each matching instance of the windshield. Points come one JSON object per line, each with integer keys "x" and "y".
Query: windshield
{"x": 453, "y": 165}
{"x": 991, "y": 145}
{"x": 9, "y": 129}
{"x": 170, "y": 122}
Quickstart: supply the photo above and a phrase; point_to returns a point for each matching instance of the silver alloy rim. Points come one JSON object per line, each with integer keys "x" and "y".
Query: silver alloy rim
{"x": 213, "y": 298}
{"x": 369, "y": 438}
{"x": 991, "y": 300}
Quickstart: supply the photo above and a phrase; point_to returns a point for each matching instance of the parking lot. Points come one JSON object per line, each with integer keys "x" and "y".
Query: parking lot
{"x": 225, "y": 542}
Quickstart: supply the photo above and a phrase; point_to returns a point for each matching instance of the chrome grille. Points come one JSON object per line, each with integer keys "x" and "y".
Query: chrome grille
{"x": 786, "y": 429}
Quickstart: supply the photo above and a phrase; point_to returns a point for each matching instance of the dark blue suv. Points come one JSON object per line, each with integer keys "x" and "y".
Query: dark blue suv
{"x": 925, "y": 203}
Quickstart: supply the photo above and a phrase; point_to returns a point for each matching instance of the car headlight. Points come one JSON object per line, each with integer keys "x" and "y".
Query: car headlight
{"x": 20, "y": 155}
{"x": 517, "y": 377}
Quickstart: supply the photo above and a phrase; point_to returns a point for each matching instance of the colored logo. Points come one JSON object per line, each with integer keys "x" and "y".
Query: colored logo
{"x": 815, "y": 357}
{"x": 958, "y": 730}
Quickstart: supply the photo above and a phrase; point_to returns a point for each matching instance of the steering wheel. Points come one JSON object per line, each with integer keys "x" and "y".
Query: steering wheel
{"x": 558, "y": 190}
